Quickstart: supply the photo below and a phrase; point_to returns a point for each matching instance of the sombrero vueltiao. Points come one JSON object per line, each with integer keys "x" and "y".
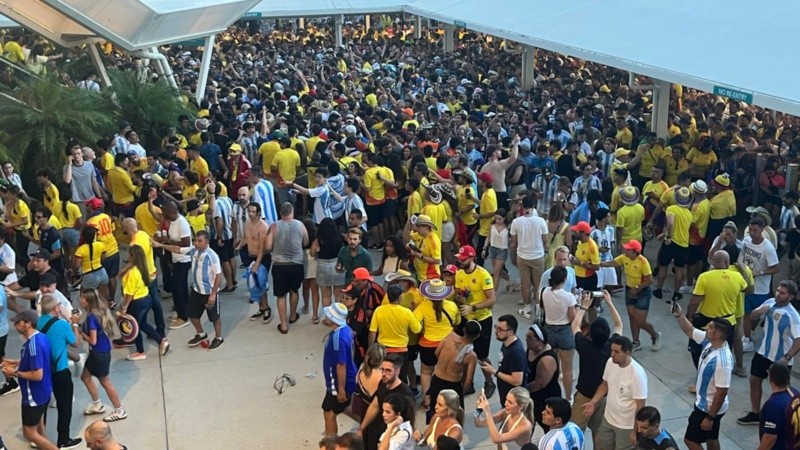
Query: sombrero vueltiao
{"x": 435, "y": 289}
{"x": 128, "y": 327}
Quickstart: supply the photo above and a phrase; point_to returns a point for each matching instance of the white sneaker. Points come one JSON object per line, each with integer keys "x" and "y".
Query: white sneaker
{"x": 686, "y": 289}
{"x": 747, "y": 345}
{"x": 94, "y": 408}
{"x": 525, "y": 312}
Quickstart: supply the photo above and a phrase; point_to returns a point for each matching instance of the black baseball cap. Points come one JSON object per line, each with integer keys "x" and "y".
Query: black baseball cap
{"x": 47, "y": 279}
{"x": 41, "y": 253}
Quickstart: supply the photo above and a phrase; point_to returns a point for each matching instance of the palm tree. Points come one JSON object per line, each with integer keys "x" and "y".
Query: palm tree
{"x": 150, "y": 106}
{"x": 40, "y": 117}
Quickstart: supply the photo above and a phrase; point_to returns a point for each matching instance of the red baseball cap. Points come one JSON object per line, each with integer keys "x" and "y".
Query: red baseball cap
{"x": 634, "y": 245}
{"x": 95, "y": 203}
{"x": 451, "y": 268}
{"x": 361, "y": 273}
{"x": 486, "y": 177}
{"x": 582, "y": 227}
{"x": 465, "y": 252}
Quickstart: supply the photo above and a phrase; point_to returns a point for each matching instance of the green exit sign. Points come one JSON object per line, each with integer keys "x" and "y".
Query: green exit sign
{"x": 733, "y": 94}
{"x": 252, "y": 15}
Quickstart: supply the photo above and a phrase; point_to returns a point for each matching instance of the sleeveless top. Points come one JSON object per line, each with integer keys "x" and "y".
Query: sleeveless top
{"x": 431, "y": 440}
{"x": 288, "y": 242}
{"x": 513, "y": 444}
{"x": 81, "y": 184}
{"x": 391, "y": 264}
{"x": 552, "y": 389}
{"x": 328, "y": 250}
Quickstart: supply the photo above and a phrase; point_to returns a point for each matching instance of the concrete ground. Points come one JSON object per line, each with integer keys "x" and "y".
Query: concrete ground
{"x": 193, "y": 398}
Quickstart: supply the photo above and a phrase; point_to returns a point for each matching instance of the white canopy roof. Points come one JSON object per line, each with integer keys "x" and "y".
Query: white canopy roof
{"x": 311, "y": 8}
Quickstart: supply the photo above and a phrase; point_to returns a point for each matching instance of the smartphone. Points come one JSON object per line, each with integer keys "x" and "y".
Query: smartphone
{"x": 674, "y": 306}
{"x": 479, "y": 411}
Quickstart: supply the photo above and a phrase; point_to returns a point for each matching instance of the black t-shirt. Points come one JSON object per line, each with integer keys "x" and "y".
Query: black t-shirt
{"x": 592, "y": 362}
{"x": 512, "y": 359}
{"x": 32, "y": 278}
{"x": 50, "y": 239}
{"x": 378, "y": 426}
{"x": 793, "y": 238}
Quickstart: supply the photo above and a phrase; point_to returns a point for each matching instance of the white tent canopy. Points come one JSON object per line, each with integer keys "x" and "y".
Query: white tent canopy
{"x": 313, "y": 8}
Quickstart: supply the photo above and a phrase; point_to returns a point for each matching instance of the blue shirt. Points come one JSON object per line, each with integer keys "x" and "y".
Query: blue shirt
{"x": 569, "y": 284}
{"x": 583, "y": 214}
{"x": 337, "y": 184}
{"x": 35, "y": 355}
{"x": 103, "y": 343}
{"x": 211, "y": 153}
{"x": 568, "y": 437}
{"x": 339, "y": 350}
{"x": 3, "y": 313}
{"x": 59, "y": 335}
{"x": 777, "y": 418}
{"x": 204, "y": 270}
{"x": 663, "y": 441}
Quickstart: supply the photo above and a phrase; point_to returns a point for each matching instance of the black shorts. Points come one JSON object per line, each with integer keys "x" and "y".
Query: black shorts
{"x": 375, "y": 214}
{"x": 111, "y": 264}
{"x": 98, "y": 364}
{"x": 197, "y": 305}
{"x": 248, "y": 259}
{"x": 484, "y": 341}
{"x": 427, "y": 355}
{"x": 759, "y": 366}
{"x": 331, "y": 403}
{"x": 438, "y": 385}
{"x": 695, "y": 254}
{"x": 672, "y": 253}
{"x": 225, "y": 252}
{"x": 287, "y": 278}
{"x": 587, "y": 283}
{"x": 696, "y": 434}
{"x": 3, "y": 340}
{"x": 32, "y": 415}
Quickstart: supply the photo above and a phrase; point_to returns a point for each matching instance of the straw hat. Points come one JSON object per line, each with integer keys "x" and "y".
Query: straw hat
{"x": 629, "y": 195}
{"x": 422, "y": 219}
{"x": 400, "y": 275}
{"x": 683, "y": 197}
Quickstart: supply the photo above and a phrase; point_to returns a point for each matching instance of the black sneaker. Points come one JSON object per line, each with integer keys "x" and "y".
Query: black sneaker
{"x": 657, "y": 293}
{"x": 268, "y": 315}
{"x": 656, "y": 271}
{"x": 216, "y": 343}
{"x": 257, "y": 315}
{"x": 9, "y": 387}
{"x": 119, "y": 343}
{"x": 197, "y": 339}
{"x": 637, "y": 345}
{"x": 750, "y": 418}
{"x": 70, "y": 443}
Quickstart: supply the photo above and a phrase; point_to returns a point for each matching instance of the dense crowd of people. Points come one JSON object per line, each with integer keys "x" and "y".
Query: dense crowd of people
{"x": 307, "y": 161}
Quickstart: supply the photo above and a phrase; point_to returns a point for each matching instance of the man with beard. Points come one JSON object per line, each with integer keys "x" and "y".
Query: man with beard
{"x": 373, "y": 426}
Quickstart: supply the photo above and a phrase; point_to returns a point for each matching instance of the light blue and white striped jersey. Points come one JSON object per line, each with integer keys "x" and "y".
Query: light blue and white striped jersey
{"x": 568, "y": 437}
{"x": 322, "y": 198}
{"x": 224, "y": 210}
{"x": 120, "y": 145}
{"x": 605, "y": 160}
{"x": 548, "y": 190}
{"x": 250, "y": 147}
{"x": 355, "y": 202}
{"x": 606, "y": 237}
{"x": 782, "y": 326}
{"x": 205, "y": 268}
{"x": 240, "y": 216}
{"x": 787, "y": 218}
{"x": 582, "y": 186}
{"x": 264, "y": 195}
{"x": 713, "y": 371}
{"x": 337, "y": 183}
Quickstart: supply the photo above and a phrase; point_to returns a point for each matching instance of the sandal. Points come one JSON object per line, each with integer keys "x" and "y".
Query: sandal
{"x": 315, "y": 320}
{"x": 294, "y": 319}
{"x": 228, "y": 290}
{"x": 282, "y": 331}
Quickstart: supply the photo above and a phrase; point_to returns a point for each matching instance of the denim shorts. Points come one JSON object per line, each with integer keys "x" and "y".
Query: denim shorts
{"x": 641, "y": 301}
{"x": 95, "y": 279}
{"x": 560, "y": 337}
{"x": 498, "y": 253}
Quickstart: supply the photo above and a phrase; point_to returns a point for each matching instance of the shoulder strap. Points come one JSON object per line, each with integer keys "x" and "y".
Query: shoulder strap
{"x": 449, "y": 319}
{"x": 49, "y": 324}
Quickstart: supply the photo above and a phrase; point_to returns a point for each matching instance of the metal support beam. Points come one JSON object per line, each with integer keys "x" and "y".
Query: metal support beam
{"x": 301, "y": 23}
{"x": 338, "y": 22}
{"x": 205, "y": 64}
{"x": 418, "y": 27}
{"x": 367, "y": 22}
{"x": 661, "y": 94}
{"x": 638, "y": 87}
{"x": 98, "y": 64}
{"x": 449, "y": 38}
{"x": 528, "y": 67}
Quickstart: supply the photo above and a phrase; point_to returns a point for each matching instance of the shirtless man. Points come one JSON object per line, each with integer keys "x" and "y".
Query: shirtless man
{"x": 256, "y": 231}
{"x": 455, "y": 354}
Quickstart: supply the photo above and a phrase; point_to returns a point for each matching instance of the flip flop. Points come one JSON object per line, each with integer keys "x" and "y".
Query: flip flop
{"x": 315, "y": 320}
{"x": 282, "y": 331}
{"x": 294, "y": 319}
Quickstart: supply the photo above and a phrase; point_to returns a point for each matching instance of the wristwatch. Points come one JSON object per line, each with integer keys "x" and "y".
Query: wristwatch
{"x": 788, "y": 357}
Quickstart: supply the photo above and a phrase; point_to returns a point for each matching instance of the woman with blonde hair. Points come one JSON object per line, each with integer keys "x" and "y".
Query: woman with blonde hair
{"x": 98, "y": 329}
{"x": 516, "y": 428}
{"x": 448, "y": 420}
{"x": 558, "y": 231}
{"x": 137, "y": 302}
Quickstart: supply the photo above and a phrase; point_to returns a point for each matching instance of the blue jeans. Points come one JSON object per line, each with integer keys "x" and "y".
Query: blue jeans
{"x": 158, "y": 309}
{"x": 139, "y": 309}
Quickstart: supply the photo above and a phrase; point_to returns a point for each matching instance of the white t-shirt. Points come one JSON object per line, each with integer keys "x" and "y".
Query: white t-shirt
{"x": 625, "y": 385}
{"x": 758, "y": 258}
{"x": 8, "y": 259}
{"x": 713, "y": 371}
{"x": 178, "y": 230}
{"x": 529, "y": 231}
{"x": 64, "y": 306}
{"x": 556, "y": 304}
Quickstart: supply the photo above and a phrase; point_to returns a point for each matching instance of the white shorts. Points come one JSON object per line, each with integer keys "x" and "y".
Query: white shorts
{"x": 606, "y": 276}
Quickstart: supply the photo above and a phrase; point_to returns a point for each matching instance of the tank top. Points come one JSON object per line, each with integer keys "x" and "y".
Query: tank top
{"x": 288, "y": 246}
{"x": 431, "y": 440}
{"x": 391, "y": 264}
{"x": 552, "y": 389}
